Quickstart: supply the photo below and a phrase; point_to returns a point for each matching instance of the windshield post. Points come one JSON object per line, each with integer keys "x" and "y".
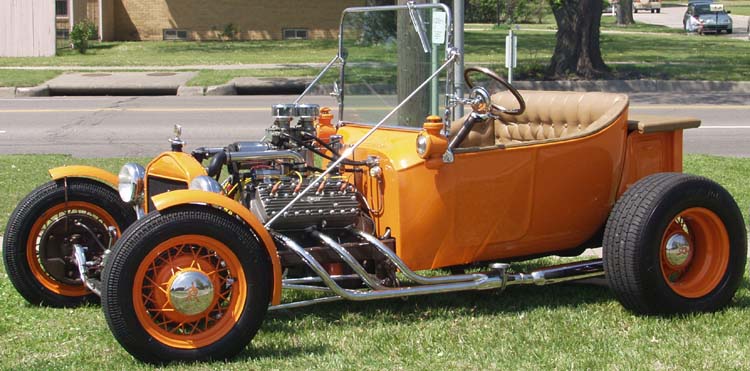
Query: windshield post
{"x": 458, "y": 75}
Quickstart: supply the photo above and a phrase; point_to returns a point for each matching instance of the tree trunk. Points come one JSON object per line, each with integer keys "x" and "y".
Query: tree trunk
{"x": 413, "y": 69}
{"x": 625, "y": 12}
{"x": 577, "y": 51}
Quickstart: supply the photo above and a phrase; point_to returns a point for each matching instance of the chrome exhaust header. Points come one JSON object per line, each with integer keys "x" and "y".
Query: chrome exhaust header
{"x": 497, "y": 278}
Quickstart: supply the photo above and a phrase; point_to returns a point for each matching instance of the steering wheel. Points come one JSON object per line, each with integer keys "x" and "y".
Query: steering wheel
{"x": 498, "y": 109}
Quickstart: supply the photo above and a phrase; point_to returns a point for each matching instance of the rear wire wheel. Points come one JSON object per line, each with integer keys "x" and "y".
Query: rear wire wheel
{"x": 186, "y": 285}
{"x": 39, "y": 238}
{"x": 675, "y": 243}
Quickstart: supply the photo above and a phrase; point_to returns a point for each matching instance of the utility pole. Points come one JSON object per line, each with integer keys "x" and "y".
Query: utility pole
{"x": 413, "y": 69}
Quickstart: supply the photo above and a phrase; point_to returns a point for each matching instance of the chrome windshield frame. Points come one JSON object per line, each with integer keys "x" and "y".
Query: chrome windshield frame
{"x": 450, "y": 50}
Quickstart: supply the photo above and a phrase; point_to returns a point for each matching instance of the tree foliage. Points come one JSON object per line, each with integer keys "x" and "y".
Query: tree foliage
{"x": 505, "y": 11}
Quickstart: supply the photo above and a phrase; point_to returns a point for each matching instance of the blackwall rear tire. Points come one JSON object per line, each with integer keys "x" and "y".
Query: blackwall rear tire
{"x": 188, "y": 284}
{"x": 675, "y": 243}
{"x": 36, "y": 246}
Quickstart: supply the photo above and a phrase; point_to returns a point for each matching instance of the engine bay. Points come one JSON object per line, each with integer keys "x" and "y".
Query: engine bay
{"x": 267, "y": 175}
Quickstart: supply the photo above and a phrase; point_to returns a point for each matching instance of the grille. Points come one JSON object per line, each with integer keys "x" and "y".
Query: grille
{"x": 156, "y": 186}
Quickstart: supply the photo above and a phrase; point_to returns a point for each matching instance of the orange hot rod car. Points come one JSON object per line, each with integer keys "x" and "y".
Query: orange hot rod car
{"x": 187, "y": 262}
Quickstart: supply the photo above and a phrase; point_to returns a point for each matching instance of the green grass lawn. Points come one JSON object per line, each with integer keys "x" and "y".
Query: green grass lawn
{"x": 571, "y": 326}
{"x": 740, "y": 9}
{"x": 20, "y": 78}
{"x": 651, "y": 52}
{"x": 669, "y": 55}
{"x": 737, "y": 7}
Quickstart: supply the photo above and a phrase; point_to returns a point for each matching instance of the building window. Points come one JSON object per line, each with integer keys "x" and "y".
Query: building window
{"x": 174, "y": 34}
{"x": 62, "y": 33}
{"x": 295, "y": 34}
{"x": 61, "y": 8}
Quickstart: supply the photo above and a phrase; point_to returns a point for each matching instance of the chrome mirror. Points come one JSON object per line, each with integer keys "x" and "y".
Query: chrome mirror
{"x": 416, "y": 20}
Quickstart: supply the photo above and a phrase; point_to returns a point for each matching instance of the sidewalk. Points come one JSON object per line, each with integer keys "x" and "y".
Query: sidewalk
{"x": 196, "y": 67}
{"x": 175, "y": 83}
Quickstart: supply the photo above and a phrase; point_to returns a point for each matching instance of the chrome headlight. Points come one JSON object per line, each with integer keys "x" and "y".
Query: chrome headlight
{"x": 130, "y": 183}
{"x": 205, "y": 183}
{"x": 423, "y": 143}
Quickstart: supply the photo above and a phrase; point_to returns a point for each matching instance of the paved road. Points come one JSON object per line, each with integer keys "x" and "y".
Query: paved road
{"x": 671, "y": 16}
{"x": 140, "y": 126}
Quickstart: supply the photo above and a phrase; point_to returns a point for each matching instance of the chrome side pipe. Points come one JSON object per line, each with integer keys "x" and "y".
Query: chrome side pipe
{"x": 485, "y": 282}
{"x": 408, "y": 272}
{"x": 497, "y": 278}
{"x": 559, "y": 273}
{"x": 349, "y": 260}
{"x": 309, "y": 280}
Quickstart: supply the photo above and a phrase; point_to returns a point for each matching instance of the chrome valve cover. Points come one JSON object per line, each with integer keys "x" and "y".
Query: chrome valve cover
{"x": 333, "y": 205}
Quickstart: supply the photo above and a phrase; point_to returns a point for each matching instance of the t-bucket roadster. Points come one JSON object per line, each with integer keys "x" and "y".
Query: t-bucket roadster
{"x": 187, "y": 262}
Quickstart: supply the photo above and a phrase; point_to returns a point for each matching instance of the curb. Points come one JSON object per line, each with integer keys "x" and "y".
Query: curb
{"x": 7, "y": 92}
{"x": 292, "y": 86}
{"x": 638, "y": 86}
{"x": 225, "y": 89}
{"x": 271, "y": 85}
{"x": 36, "y": 91}
{"x": 184, "y": 90}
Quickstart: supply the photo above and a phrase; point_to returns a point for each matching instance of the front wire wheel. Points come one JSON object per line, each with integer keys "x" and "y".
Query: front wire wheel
{"x": 39, "y": 238}
{"x": 186, "y": 285}
{"x": 675, "y": 243}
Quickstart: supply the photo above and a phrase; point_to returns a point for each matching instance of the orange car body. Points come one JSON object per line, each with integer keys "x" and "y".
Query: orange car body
{"x": 501, "y": 203}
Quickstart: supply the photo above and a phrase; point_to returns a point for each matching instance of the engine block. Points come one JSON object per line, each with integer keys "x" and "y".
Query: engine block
{"x": 332, "y": 204}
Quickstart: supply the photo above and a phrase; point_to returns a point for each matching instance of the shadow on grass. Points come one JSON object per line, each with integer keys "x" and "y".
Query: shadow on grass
{"x": 210, "y": 46}
{"x": 273, "y": 351}
{"x": 102, "y": 46}
{"x": 418, "y": 308}
{"x": 513, "y": 300}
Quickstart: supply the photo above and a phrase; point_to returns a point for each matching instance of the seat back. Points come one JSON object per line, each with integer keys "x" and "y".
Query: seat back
{"x": 549, "y": 116}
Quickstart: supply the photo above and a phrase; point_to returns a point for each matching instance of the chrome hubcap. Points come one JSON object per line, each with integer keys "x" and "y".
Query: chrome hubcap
{"x": 191, "y": 292}
{"x": 678, "y": 250}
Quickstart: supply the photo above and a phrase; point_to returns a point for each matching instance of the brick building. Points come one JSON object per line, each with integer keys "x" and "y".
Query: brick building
{"x": 204, "y": 19}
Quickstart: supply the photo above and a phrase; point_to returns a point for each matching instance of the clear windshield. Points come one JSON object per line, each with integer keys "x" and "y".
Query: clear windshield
{"x": 386, "y": 61}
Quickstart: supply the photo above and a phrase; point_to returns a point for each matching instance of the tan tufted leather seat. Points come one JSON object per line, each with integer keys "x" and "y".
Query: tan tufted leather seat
{"x": 549, "y": 116}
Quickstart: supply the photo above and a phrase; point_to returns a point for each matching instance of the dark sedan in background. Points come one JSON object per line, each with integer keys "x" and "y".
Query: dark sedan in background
{"x": 712, "y": 15}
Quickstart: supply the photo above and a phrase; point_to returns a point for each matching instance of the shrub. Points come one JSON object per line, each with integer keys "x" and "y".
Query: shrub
{"x": 230, "y": 32}
{"x": 93, "y": 30}
{"x": 82, "y": 32}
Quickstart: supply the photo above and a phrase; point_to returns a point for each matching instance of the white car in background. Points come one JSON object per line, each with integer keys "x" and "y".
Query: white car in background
{"x": 652, "y": 5}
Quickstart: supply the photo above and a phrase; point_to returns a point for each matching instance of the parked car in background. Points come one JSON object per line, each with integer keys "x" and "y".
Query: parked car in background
{"x": 652, "y": 5}
{"x": 713, "y": 16}
{"x": 610, "y": 7}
